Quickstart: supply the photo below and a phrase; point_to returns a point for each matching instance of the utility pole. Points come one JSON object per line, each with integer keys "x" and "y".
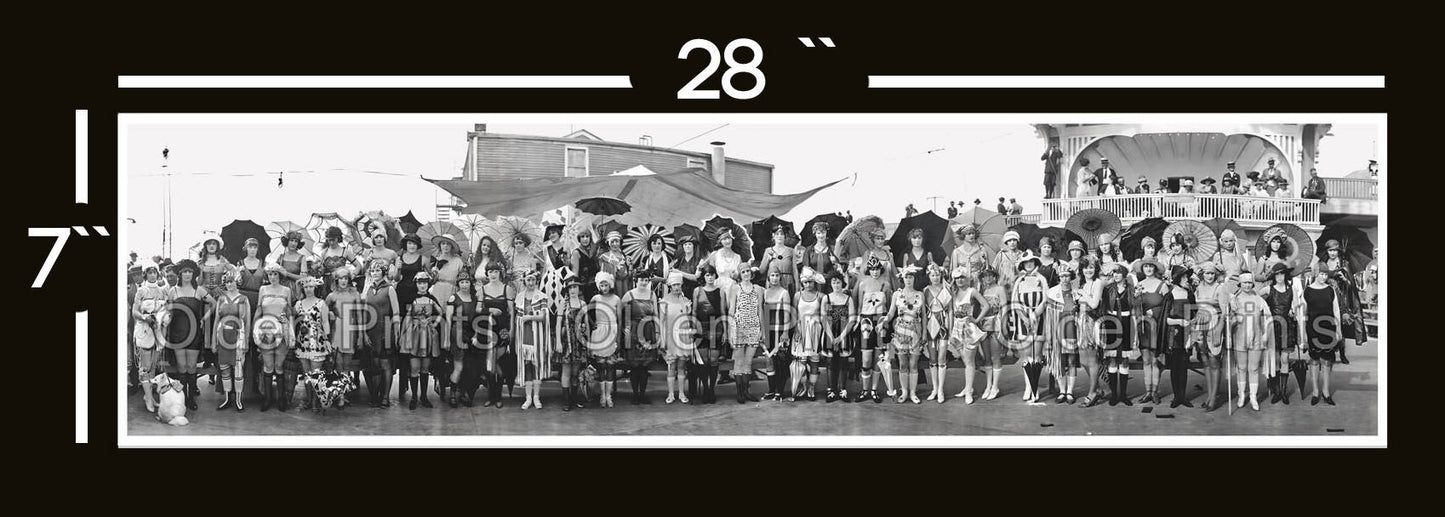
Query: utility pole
{"x": 935, "y": 202}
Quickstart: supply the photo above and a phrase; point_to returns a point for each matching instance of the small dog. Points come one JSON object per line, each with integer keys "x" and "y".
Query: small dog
{"x": 172, "y": 408}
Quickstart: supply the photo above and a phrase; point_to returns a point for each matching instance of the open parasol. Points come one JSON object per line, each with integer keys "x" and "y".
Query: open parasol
{"x": 603, "y": 206}
{"x": 762, "y": 233}
{"x": 367, "y": 222}
{"x": 836, "y": 223}
{"x": 1131, "y": 242}
{"x": 937, "y": 239}
{"x": 856, "y": 239}
{"x": 1219, "y": 224}
{"x": 991, "y": 227}
{"x": 409, "y": 223}
{"x": 197, "y": 243}
{"x": 1089, "y": 223}
{"x": 1300, "y": 247}
{"x": 1200, "y": 243}
{"x": 1030, "y": 234}
{"x": 430, "y": 231}
{"x": 279, "y": 229}
{"x": 685, "y": 230}
{"x": 634, "y": 243}
{"x": 742, "y": 243}
{"x": 234, "y": 236}
{"x": 503, "y": 229}
{"x": 1355, "y": 247}
{"x": 471, "y": 226}
{"x": 608, "y": 226}
{"x": 320, "y": 223}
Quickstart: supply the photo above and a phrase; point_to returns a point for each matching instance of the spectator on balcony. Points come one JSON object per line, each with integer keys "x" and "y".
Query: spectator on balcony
{"x": 1186, "y": 186}
{"x": 1206, "y": 186}
{"x": 1014, "y": 207}
{"x": 1374, "y": 169}
{"x": 1143, "y": 187}
{"x": 1229, "y": 175}
{"x": 1088, "y": 184}
{"x": 1107, "y": 176}
{"x": 1115, "y": 189}
{"x": 1001, "y": 208}
{"x": 1315, "y": 188}
{"x": 1163, "y": 187}
{"x": 909, "y": 211}
{"x": 1271, "y": 186}
{"x": 1230, "y": 187}
{"x": 952, "y": 210}
{"x": 1051, "y": 159}
{"x": 1271, "y": 172}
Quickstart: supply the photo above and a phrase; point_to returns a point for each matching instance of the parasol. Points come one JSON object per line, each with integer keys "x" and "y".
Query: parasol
{"x": 742, "y": 243}
{"x": 937, "y": 239}
{"x": 684, "y": 230}
{"x": 762, "y": 233}
{"x": 1219, "y": 224}
{"x": 279, "y": 229}
{"x": 634, "y": 243}
{"x": 431, "y": 231}
{"x": 603, "y": 206}
{"x": 409, "y": 223}
{"x": 835, "y": 228}
{"x": 1300, "y": 247}
{"x": 194, "y": 252}
{"x": 1131, "y": 242}
{"x": 471, "y": 226}
{"x": 234, "y": 236}
{"x": 991, "y": 227}
{"x": 856, "y": 239}
{"x": 609, "y": 226}
{"x": 1355, "y": 247}
{"x": 320, "y": 223}
{"x": 1030, "y": 234}
{"x": 503, "y": 229}
{"x": 1200, "y": 243}
{"x": 369, "y": 221}
{"x": 1089, "y": 223}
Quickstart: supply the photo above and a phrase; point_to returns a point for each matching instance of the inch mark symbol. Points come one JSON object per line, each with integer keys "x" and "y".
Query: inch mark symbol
{"x": 808, "y": 42}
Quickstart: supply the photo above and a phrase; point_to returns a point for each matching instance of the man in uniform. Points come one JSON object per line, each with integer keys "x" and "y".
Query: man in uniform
{"x": 1051, "y": 159}
{"x": 1230, "y": 177}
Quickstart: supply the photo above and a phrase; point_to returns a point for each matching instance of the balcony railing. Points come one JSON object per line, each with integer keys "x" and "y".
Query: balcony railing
{"x": 1246, "y": 210}
{"x": 1352, "y": 188}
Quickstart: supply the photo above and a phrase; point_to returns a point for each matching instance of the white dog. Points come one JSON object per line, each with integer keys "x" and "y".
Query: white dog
{"x": 172, "y": 408}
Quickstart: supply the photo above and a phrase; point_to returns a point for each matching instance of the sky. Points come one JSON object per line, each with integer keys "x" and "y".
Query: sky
{"x": 222, "y": 168}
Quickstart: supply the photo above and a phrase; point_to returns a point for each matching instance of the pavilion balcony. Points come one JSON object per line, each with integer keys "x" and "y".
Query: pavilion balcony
{"x": 1248, "y": 211}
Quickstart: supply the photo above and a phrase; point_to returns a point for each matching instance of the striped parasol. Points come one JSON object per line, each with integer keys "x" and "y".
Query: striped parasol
{"x": 1200, "y": 243}
{"x": 430, "y": 232}
{"x": 634, "y": 244}
{"x": 279, "y": 229}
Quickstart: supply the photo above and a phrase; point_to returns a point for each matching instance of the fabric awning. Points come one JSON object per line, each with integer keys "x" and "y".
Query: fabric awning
{"x": 686, "y": 196}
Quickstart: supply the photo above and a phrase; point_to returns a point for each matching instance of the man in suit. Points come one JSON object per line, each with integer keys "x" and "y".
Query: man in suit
{"x": 952, "y": 210}
{"x": 1271, "y": 172}
{"x": 1143, "y": 187}
{"x": 1106, "y": 175}
{"x": 1230, "y": 177}
{"x": 1315, "y": 189}
{"x": 1051, "y": 159}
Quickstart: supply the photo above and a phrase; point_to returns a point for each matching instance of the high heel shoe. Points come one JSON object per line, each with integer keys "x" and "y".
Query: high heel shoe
{"x": 914, "y": 398}
{"x": 1314, "y": 400}
{"x": 1329, "y": 400}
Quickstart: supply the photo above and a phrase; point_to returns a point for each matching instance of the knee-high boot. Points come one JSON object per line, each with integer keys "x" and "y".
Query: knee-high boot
{"x": 425, "y": 378}
{"x": 266, "y": 393}
{"x": 1124, "y": 386}
{"x": 191, "y": 389}
{"x": 1113, "y": 378}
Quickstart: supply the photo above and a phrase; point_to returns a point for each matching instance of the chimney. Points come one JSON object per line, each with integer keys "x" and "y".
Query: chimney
{"x": 645, "y": 140}
{"x": 480, "y": 128}
{"x": 719, "y": 163}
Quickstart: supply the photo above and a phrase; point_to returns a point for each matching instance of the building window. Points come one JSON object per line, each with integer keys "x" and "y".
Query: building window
{"x": 576, "y": 162}
{"x": 694, "y": 163}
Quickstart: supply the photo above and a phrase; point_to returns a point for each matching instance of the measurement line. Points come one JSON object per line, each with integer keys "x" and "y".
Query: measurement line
{"x": 374, "y": 81}
{"x": 1126, "y": 81}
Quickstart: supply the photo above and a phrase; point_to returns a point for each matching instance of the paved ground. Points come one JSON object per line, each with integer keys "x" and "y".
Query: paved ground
{"x": 1356, "y": 388}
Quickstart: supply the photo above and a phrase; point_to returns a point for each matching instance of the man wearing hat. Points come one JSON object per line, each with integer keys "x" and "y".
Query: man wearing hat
{"x": 1315, "y": 188}
{"x": 1206, "y": 186}
{"x": 1143, "y": 187}
{"x": 1106, "y": 175}
{"x": 1051, "y": 158}
{"x": 1230, "y": 176}
{"x": 1186, "y": 186}
{"x": 1374, "y": 169}
{"x": 1271, "y": 172}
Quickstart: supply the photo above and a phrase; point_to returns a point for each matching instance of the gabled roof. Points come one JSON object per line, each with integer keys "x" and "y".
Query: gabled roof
{"x": 583, "y": 134}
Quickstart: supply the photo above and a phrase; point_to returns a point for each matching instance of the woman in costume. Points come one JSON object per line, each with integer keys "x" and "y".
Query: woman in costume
{"x": 570, "y": 343}
{"x": 150, "y": 310}
{"x": 1322, "y": 333}
{"x": 812, "y": 309}
{"x": 970, "y": 254}
{"x": 553, "y": 256}
{"x": 725, "y": 260}
{"x": 1212, "y": 298}
{"x": 532, "y": 337}
{"x": 675, "y": 314}
{"x": 1115, "y": 329}
{"x": 378, "y": 252}
{"x": 313, "y": 332}
{"x": 252, "y": 271}
{"x": 1108, "y": 251}
{"x": 640, "y": 340}
{"x": 190, "y": 309}
{"x": 1006, "y": 261}
{"x": 708, "y": 306}
{"x": 918, "y": 257}
{"x": 820, "y": 255}
{"x": 420, "y": 339}
{"x": 462, "y": 311}
{"x": 1024, "y": 320}
{"x": 333, "y": 255}
{"x": 872, "y": 293}
{"x": 1061, "y": 331}
{"x": 1180, "y": 340}
{"x": 1232, "y": 260}
{"x": 686, "y": 261}
{"x": 276, "y": 308}
{"x": 1250, "y": 338}
{"x": 294, "y": 262}
{"x": 1077, "y": 252}
{"x": 1285, "y": 295}
{"x": 744, "y": 307}
{"x": 1151, "y": 251}
{"x": 605, "y": 324}
{"x": 521, "y": 260}
{"x": 778, "y": 348}
{"x": 494, "y": 332}
{"x": 841, "y": 336}
{"x": 381, "y": 329}
{"x": 447, "y": 263}
{"x": 991, "y": 323}
{"x": 1152, "y": 299}
{"x": 488, "y": 252}
{"x": 905, "y": 317}
{"x": 1089, "y": 294}
{"x": 964, "y": 335}
{"x": 1277, "y": 253}
{"x": 584, "y": 262}
{"x": 1177, "y": 255}
{"x": 411, "y": 262}
{"x": 232, "y": 329}
{"x": 654, "y": 264}
{"x": 937, "y": 301}
{"x": 213, "y": 267}
{"x": 348, "y": 311}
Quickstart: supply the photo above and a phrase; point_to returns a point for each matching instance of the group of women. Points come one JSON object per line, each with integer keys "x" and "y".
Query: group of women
{"x": 468, "y": 321}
